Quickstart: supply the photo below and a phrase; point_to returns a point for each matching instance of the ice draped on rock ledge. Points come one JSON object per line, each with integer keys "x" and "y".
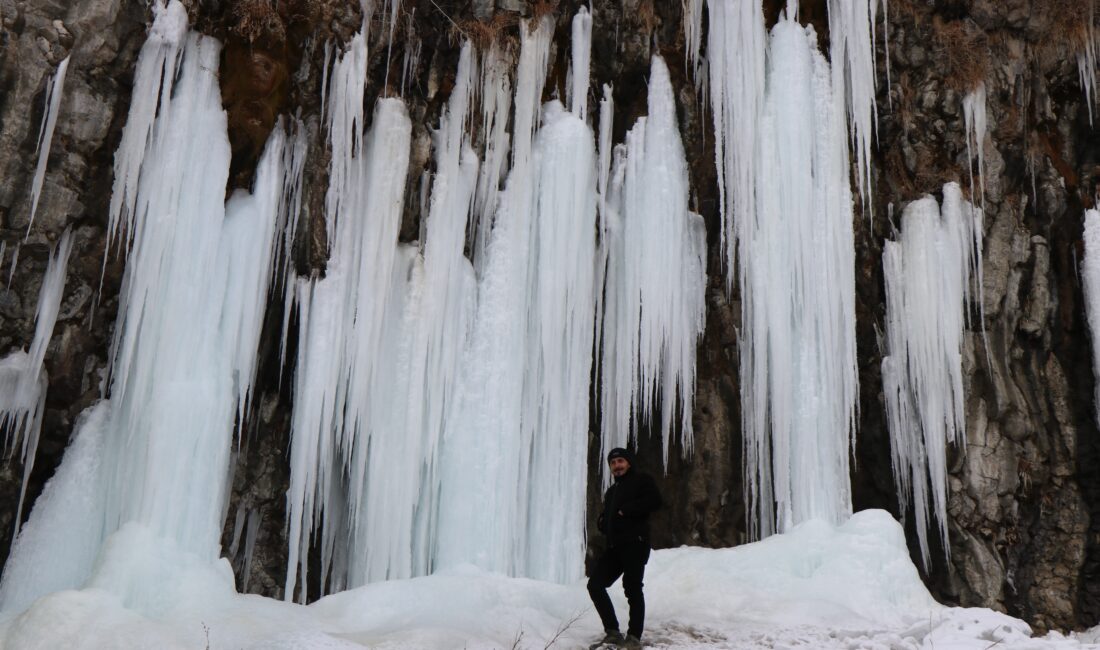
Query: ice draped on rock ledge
{"x": 931, "y": 277}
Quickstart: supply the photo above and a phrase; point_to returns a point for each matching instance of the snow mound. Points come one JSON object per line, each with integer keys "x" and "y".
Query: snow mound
{"x": 851, "y": 586}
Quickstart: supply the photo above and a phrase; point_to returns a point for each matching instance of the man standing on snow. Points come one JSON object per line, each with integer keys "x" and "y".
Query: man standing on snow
{"x": 625, "y": 525}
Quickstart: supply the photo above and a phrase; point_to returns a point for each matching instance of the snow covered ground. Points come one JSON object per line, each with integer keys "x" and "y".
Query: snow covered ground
{"x": 850, "y": 587}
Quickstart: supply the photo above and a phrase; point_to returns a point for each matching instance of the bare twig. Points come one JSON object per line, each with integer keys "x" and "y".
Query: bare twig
{"x": 563, "y": 628}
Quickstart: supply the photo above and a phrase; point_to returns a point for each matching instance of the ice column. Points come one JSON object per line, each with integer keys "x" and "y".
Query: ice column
{"x": 45, "y": 136}
{"x": 23, "y": 378}
{"x": 485, "y": 457}
{"x": 656, "y": 278}
{"x": 931, "y": 277}
{"x": 798, "y": 363}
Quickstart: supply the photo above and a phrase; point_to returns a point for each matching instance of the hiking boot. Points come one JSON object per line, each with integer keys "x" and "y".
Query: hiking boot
{"x": 611, "y": 638}
{"x": 632, "y": 643}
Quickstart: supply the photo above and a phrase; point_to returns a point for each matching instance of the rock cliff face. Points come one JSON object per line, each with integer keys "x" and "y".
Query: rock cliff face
{"x": 1024, "y": 501}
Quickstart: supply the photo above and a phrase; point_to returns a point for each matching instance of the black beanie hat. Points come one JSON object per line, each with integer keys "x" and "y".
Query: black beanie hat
{"x": 619, "y": 452}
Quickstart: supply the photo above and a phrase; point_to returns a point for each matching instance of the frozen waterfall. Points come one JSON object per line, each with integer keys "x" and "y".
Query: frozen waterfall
{"x": 183, "y": 356}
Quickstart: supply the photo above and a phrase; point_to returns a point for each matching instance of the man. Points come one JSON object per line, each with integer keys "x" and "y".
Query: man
{"x": 625, "y": 525}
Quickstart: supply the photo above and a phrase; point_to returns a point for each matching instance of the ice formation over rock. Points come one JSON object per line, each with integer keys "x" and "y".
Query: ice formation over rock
{"x": 931, "y": 275}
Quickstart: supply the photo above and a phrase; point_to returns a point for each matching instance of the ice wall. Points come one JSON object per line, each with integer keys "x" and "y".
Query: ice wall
{"x": 654, "y": 309}
{"x": 931, "y": 276}
{"x": 796, "y": 260}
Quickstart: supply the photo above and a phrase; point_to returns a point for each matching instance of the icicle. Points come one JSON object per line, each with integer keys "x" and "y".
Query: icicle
{"x": 735, "y": 60}
{"x": 1090, "y": 272}
{"x": 974, "y": 116}
{"x": 411, "y": 58}
{"x": 194, "y": 294}
{"x": 1088, "y": 62}
{"x": 798, "y": 363}
{"x": 654, "y": 311}
{"x": 931, "y": 275}
{"x": 496, "y": 96}
{"x": 14, "y": 263}
{"x": 579, "y": 73}
{"x": 693, "y": 32}
{"x": 852, "y": 52}
{"x": 23, "y": 379}
{"x": 54, "y": 89}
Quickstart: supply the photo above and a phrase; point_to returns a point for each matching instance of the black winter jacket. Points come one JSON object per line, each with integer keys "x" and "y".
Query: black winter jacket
{"x": 626, "y": 507}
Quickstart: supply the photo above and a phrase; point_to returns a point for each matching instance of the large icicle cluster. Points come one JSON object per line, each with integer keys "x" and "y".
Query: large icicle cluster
{"x": 798, "y": 364}
{"x": 931, "y": 275}
{"x": 735, "y": 59}
{"x": 784, "y": 119}
{"x": 346, "y": 320}
{"x": 852, "y": 54}
{"x": 191, "y": 307}
{"x": 736, "y": 45}
{"x": 655, "y": 280}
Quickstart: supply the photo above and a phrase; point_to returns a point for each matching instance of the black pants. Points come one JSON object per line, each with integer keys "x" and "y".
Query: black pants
{"x": 629, "y": 562}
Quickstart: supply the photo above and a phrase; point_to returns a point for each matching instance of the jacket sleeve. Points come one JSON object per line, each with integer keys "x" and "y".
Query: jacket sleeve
{"x": 645, "y": 501}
